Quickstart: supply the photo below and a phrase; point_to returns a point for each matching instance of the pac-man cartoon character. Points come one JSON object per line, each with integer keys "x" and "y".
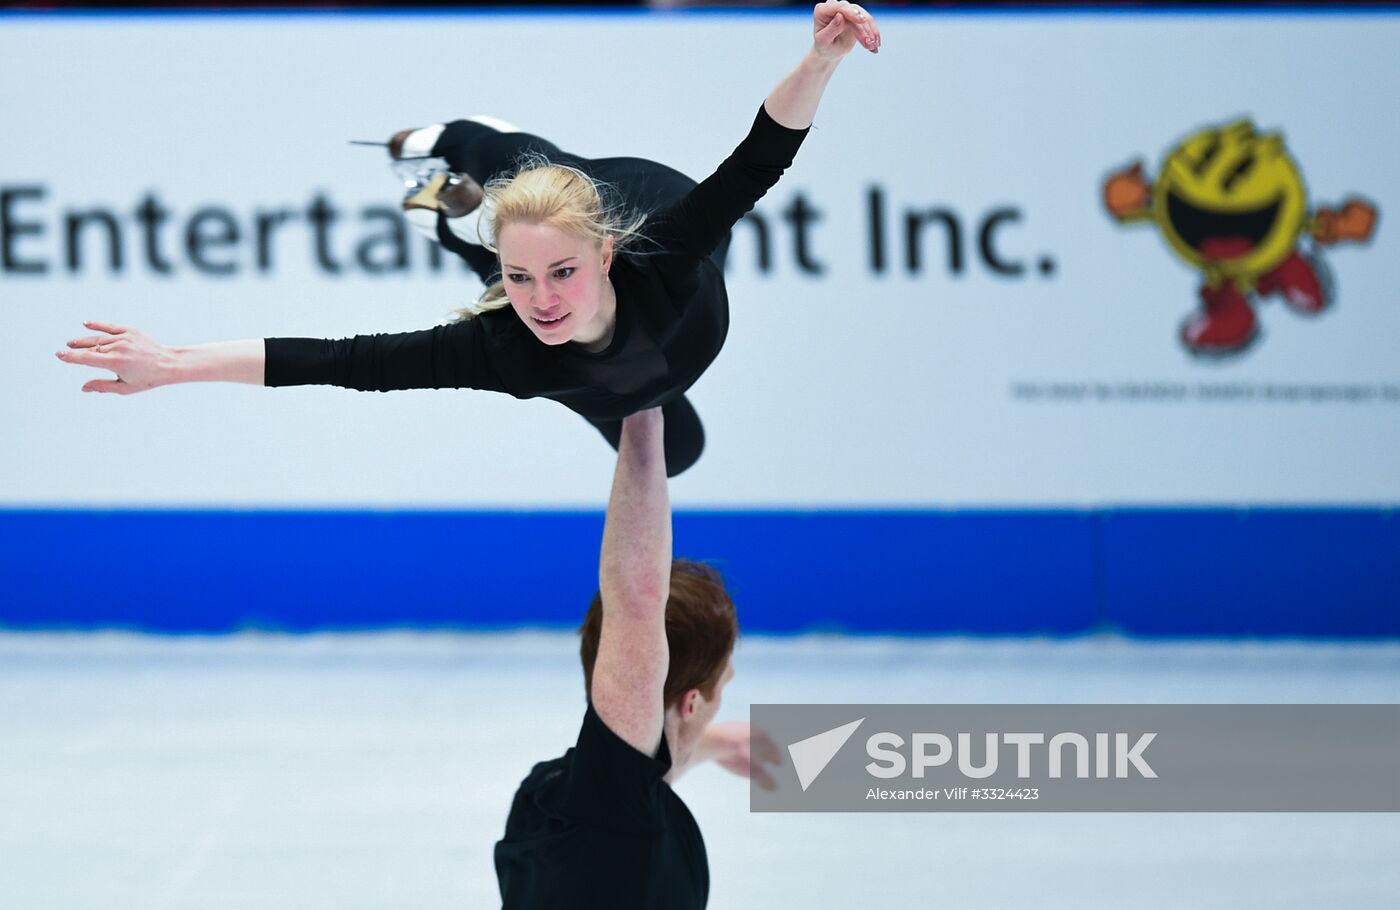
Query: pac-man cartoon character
{"x": 1231, "y": 202}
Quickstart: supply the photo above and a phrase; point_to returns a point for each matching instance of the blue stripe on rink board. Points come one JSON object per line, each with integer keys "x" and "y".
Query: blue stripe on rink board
{"x": 1155, "y": 572}
{"x": 1254, "y": 572}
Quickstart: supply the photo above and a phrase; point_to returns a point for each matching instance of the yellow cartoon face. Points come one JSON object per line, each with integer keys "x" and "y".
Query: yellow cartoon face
{"x": 1231, "y": 200}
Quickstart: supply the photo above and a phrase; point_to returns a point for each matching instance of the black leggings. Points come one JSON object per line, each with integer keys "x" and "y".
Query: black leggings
{"x": 482, "y": 152}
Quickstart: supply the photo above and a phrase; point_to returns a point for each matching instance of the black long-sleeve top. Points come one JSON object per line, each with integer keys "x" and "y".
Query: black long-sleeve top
{"x": 601, "y": 827}
{"x": 672, "y": 314}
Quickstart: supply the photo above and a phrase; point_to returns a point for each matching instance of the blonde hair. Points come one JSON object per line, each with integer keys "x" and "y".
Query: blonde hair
{"x": 540, "y": 192}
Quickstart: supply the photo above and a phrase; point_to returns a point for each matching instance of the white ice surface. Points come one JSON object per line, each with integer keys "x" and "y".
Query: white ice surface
{"x": 374, "y": 771}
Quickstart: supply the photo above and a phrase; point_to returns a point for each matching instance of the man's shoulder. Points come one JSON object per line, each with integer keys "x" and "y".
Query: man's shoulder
{"x": 538, "y": 802}
{"x": 601, "y": 784}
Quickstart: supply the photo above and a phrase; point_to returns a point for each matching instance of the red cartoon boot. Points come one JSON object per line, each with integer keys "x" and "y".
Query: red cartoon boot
{"x": 1298, "y": 282}
{"x": 1226, "y": 325}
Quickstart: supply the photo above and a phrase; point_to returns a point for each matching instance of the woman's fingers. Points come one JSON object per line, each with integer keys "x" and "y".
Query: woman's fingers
{"x": 875, "y": 38}
{"x": 139, "y": 362}
{"x": 865, "y": 26}
{"x": 843, "y": 12}
{"x": 92, "y": 341}
{"x": 109, "y": 327}
{"x": 116, "y": 335}
{"x": 88, "y": 357}
{"x": 829, "y": 28}
{"x": 869, "y": 34}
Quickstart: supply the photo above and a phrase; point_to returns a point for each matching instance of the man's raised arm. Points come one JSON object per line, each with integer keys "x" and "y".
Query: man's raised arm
{"x": 634, "y": 575}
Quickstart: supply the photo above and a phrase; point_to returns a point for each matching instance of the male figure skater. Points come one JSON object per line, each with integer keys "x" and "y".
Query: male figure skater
{"x": 601, "y": 826}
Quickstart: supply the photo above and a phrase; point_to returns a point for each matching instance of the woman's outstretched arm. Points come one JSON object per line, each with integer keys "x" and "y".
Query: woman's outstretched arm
{"x": 837, "y": 25}
{"x": 452, "y": 356}
{"x": 697, "y": 222}
{"x": 142, "y": 363}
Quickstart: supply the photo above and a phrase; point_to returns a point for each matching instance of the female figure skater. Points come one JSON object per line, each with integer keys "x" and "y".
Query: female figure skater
{"x": 608, "y": 316}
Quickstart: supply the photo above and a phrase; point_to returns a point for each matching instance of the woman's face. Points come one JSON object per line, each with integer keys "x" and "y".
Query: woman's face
{"x": 557, "y": 283}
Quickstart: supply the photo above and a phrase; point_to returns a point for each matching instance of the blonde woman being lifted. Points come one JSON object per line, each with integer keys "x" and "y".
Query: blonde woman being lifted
{"x": 605, "y": 277}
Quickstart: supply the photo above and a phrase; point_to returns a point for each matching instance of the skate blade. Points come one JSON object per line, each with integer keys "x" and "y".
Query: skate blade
{"x": 426, "y": 195}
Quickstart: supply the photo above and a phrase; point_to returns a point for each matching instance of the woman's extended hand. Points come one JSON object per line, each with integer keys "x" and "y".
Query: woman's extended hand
{"x": 837, "y": 24}
{"x": 140, "y": 362}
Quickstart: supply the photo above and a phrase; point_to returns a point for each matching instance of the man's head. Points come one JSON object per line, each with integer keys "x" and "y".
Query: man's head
{"x": 701, "y": 628}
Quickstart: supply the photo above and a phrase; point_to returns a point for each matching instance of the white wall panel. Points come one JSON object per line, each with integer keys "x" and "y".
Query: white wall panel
{"x": 848, "y": 387}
